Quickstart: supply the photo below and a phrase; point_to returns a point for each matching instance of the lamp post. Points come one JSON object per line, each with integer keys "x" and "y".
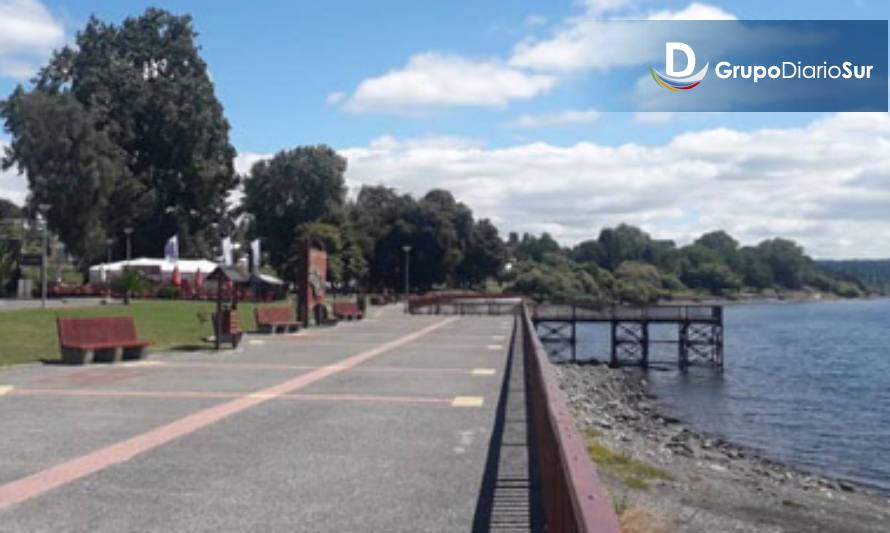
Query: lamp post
{"x": 407, "y": 250}
{"x": 128, "y": 232}
{"x": 44, "y": 208}
{"x": 109, "y": 242}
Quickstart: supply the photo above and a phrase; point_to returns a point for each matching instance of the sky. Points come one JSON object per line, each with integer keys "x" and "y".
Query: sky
{"x": 497, "y": 102}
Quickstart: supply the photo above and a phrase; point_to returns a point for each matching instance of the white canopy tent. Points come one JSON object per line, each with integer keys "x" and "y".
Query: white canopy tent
{"x": 187, "y": 268}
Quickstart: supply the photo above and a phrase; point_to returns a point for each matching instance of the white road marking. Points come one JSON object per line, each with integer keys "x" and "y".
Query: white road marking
{"x": 483, "y": 372}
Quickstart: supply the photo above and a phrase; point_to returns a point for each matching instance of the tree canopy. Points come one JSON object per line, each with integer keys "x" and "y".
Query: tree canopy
{"x": 124, "y": 130}
{"x": 293, "y": 188}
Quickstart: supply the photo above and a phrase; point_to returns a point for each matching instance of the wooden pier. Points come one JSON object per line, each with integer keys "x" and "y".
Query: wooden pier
{"x": 699, "y": 331}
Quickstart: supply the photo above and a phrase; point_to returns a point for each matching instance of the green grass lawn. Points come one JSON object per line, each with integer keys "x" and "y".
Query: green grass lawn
{"x": 30, "y": 335}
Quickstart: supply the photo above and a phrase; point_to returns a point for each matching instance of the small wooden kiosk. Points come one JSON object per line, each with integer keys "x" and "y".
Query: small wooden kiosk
{"x": 225, "y": 320}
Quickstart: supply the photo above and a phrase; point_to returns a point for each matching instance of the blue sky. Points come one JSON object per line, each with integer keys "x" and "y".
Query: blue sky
{"x": 425, "y": 94}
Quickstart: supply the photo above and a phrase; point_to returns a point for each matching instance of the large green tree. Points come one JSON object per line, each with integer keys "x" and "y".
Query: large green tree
{"x": 124, "y": 129}
{"x": 293, "y": 188}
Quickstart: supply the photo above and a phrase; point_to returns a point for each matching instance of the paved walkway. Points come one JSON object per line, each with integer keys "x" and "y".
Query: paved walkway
{"x": 380, "y": 425}
{"x": 9, "y": 304}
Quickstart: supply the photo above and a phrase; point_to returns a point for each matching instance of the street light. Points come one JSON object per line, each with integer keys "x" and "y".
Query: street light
{"x": 128, "y": 232}
{"x": 407, "y": 250}
{"x": 44, "y": 208}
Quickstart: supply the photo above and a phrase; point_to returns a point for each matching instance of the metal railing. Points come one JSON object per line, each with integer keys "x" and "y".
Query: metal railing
{"x": 574, "y": 499}
{"x": 464, "y": 304}
{"x": 655, "y": 313}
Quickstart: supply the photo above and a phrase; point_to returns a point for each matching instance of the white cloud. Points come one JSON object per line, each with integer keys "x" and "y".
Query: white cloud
{"x": 826, "y": 185}
{"x": 653, "y": 117}
{"x": 561, "y": 118}
{"x": 432, "y": 80}
{"x": 599, "y": 7}
{"x": 694, "y": 11}
{"x": 589, "y": 42}
{"x": 28, "y": 34}
{"x": 533, "y": 21}
{"x": 438, "y": 142}
{"x": 243, "y": 161}
{"x": 12, "y": 186}
{"x": 335, "y": 98}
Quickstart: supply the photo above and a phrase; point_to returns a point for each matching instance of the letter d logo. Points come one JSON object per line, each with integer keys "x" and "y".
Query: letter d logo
{"x": 678, "y": 80}
{"x": 670, "y": 51}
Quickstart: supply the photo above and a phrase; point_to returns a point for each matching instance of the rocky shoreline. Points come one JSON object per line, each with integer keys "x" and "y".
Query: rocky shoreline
{"x": 666, "y": 477}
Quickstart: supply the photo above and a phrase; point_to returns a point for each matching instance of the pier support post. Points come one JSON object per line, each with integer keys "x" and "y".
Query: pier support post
{"x": 683, "y": 345}
{"x": 644, "y": 344}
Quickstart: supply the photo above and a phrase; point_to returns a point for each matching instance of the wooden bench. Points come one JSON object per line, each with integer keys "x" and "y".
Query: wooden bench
{"x": 271, "y": 319}
{"x": 347, "y": 311}
{"x": 100, "y": 339}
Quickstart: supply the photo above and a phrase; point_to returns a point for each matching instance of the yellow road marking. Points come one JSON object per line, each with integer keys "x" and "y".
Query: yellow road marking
{"x": 5, "y": 389}
{"x": 467, "y": 401}
{"x": 483, "y": 371}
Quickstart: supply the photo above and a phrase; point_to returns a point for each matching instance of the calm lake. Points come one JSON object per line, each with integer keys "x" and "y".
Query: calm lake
{"x": 808, "y": 384}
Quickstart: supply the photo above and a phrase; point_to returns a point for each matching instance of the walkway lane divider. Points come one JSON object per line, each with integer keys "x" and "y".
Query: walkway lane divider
{"x": 44, "y": 481}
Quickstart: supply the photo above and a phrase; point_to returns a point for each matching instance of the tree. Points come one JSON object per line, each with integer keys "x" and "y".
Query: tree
{"x": 638, "y": 283}
{"x": 147, "y": 139}
{"x": 755, "y": 272}
{"x": 588, "y": 251}
{"x": 535, "y": 248}
{"x": 715, "y": 277}
{"x": 787, "y": 261}
{"x": 80, "y": 181}
{"x": 295, "y": 187}
{"x": 9, "y": 210}
{"x": 485, "y": 254}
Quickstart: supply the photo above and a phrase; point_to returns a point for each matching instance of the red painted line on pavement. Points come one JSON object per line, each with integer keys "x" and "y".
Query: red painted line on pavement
{"x": 95, "y": 376}
{"x": 41, "y": 482}
{"x": 191, "y": 395}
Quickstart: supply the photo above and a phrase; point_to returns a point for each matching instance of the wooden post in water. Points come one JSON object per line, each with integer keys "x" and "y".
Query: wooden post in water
{"x": 644, "y": 344}
{"x": 683, "y": 345}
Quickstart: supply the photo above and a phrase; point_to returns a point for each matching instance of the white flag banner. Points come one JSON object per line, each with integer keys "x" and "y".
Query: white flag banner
{"x": 255, "y": 252}
{"x": 171, "y": 249}
{"x": 227, "y": 251}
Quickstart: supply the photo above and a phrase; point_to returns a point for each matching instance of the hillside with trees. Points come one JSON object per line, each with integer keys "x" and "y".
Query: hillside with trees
{"x": 626, "y": 264}
{"x": 874, "y": 274}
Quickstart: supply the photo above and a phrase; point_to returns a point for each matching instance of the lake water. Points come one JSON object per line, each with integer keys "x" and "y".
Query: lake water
{"x": 808, "y": 384}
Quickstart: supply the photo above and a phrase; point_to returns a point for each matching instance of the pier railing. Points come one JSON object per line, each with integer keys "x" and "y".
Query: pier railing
{"x": 464, "y": 304}
{"x": 573, "y": 497}
{"x": 608, "y": 313}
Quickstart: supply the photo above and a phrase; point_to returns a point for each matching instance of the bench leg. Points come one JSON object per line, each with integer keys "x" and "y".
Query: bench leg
{"x": 73, "y": 356}
{"x": 135, "y": 352}
{"x": 110, "y": 355}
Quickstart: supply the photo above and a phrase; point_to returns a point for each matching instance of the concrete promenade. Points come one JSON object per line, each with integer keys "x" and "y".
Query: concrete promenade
{"x": 379, "y": 425}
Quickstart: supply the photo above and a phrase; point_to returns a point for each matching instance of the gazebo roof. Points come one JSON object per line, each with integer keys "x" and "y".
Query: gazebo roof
{"x": 228, "y": 273}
